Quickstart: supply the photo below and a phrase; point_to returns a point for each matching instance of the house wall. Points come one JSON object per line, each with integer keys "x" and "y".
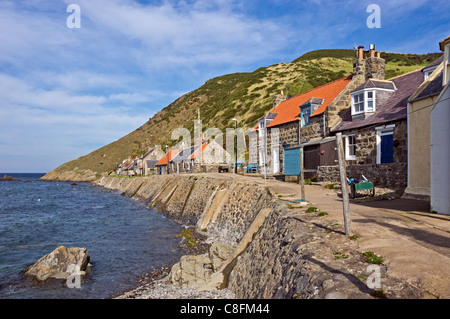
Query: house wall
{"x": 419, "y": 147}
{"x": 440, "y": 153}
{"x": 214, "y": 154}
{"x": 392, "y": 175}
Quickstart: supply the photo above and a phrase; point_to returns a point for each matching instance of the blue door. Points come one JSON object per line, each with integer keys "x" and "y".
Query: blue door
{"x": 387, "y": 149}
{"x": 292, "y": 161}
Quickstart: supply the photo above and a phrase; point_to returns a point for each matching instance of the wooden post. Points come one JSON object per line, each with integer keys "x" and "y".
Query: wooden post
{"x": 343, "y": 178}
{"x": 302, "y": 173}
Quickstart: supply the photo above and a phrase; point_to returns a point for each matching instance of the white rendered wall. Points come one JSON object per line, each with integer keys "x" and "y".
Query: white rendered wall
{"x": 440, "y": 153}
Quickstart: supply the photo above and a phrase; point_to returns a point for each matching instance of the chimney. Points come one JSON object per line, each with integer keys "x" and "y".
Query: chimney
{"x": 361, "y": 52}
{"x": 372, "y": 50}
{"x": 375, "y": 65}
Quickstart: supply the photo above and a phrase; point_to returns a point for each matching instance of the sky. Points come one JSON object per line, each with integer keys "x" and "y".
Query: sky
{"x": 72, "y": 81}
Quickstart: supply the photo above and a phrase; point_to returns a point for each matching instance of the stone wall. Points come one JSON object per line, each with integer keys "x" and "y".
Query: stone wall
{"x": 382, "y": 175}
{"x": 366, "y": 143}
{"x": 222, "y": 206}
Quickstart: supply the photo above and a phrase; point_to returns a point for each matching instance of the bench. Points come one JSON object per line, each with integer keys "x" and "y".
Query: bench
{"x": 223, "y": 169}
{"x": 252, "y": 168}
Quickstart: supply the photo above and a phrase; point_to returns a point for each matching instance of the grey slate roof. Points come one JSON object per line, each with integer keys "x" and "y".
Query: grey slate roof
{"x": 314, "y": 100}
{"x": 394, "y": 108}
{"x": 372, "y": 83}
{"x": 433, "y": 87}
{"x": 151, "y": 163}
{"x": 184, "y": 154}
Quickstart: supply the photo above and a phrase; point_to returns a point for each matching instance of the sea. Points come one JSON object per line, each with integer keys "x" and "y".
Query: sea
{"x": 124, "y": 238}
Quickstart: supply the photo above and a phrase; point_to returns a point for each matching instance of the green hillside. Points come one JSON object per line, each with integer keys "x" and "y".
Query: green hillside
{"x": 247, "y": 96}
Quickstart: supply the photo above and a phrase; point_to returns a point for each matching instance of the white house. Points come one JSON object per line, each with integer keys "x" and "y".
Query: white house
{"x": 440, "y": 140}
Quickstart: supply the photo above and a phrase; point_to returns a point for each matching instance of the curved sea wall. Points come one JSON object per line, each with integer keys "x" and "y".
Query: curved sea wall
{"x": 280, "y": 251}
{"x": 224, "y": 207}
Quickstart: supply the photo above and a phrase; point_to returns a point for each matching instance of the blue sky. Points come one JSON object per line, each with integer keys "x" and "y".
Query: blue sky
{"x": 66, "y": 92}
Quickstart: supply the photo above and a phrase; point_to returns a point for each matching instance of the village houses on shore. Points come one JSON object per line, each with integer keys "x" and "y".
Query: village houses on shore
{"x": 396, "y": 133}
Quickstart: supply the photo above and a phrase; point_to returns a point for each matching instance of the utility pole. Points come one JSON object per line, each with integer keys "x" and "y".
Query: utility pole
{"x": 235, "y": 146}
{"x": 343, "y": 178}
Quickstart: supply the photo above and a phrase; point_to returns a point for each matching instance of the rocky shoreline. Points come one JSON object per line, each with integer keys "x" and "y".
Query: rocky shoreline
{"x": 156, "y": 284}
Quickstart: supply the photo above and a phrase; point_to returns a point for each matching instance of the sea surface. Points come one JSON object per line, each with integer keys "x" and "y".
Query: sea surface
{"x": 124, "y": 238}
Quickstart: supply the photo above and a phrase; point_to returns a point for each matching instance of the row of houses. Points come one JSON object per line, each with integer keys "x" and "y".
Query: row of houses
{"x": 203, "y": 157}
{"x": 190, "y": 159}
{"x": 396, "y": 131}
{"x": 144, "y": 165}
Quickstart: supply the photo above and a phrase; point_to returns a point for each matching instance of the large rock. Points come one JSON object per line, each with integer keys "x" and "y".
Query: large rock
{"x": 218, "y": 253}
{"x": 191, "y": 271}
{"x": 60, "y": 264}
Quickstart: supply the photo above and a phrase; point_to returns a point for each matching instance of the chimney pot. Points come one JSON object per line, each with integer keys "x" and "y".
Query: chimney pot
{"x": 378, "y": 54}
{"x": 361, "y": 52}
{"x": 372, "y": 50}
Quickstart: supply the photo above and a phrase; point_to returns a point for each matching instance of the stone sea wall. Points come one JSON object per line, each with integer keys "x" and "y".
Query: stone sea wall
{"x": 277, "y": 251}
{"x": 222, "y": 206}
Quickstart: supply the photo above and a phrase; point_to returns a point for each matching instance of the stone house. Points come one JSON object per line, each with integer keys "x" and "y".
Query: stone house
{"x": 201, "y": 159}
{"x": 306, "y": 121}
{"x": 166, "y": 165}
{"x": 375, "y": 131}
{"x": 148, "y": 160}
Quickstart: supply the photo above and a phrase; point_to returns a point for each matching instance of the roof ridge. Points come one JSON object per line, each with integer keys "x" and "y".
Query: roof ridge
{"x": 399, "y": 76}
{"x": 328, "y": 83}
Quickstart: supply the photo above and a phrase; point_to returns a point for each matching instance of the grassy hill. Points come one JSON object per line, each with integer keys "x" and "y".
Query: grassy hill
{"x": 247, "y": 96}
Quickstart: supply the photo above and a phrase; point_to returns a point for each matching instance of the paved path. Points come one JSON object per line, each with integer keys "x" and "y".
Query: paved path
{"x": 414, "y": 243}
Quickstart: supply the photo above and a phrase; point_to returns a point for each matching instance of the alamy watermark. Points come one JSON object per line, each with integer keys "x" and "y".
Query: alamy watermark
{"x": 74, "y": 280}
{"x": 74, "y": 20}
{"x": 374, "y": 20}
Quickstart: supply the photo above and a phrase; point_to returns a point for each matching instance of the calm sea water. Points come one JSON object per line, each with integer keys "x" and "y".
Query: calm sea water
{"x": 123, "y": 237}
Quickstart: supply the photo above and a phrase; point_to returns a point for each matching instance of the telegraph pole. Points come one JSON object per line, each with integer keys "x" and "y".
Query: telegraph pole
{"x": 343, "y": 178}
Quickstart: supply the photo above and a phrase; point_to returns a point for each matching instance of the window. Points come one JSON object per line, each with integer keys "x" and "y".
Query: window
{"x": 305, "y": 113}
{"x": 350, "y": 149}
{"x": 363, "y": 101}
{"x": 370, "y": 101}
{"x": 358, "y": 103}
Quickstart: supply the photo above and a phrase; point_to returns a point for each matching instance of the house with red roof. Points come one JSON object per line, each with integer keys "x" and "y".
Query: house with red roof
{"x": 304, "y": 122}
{"x": 166, "y": 165}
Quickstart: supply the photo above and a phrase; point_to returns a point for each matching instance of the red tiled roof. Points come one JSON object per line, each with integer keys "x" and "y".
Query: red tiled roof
{"x": 289, "y": 110}
{"x": 165, "y": 159}
{"x": 197, "y": 151}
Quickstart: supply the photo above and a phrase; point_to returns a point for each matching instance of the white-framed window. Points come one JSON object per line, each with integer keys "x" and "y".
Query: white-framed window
{"x": 370, "y": 101}
{"x": 358, "y": 103}
{"x": 350, "y": 147}
{"x": 363, "y": 101}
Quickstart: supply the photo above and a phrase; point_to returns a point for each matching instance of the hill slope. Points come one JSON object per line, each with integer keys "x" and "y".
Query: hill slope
{"x": 247, "y": 96}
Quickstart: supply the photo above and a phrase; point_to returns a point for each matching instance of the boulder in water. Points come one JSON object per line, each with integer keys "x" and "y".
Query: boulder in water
{"x": 61, "y": 264}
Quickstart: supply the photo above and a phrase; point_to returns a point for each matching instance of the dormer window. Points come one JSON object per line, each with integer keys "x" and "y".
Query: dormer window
{"x": 364, "y": 97}
{"x": 427, "y": 72}
{"x": 305, "y": 113}
{"x": 363, "y": 102}
{"x": 308, "y": 108}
